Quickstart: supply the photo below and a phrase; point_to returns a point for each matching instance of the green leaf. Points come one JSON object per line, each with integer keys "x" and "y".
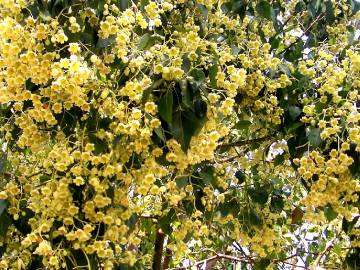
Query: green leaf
{"x": 313, "y": 8}
{"x": 185, "y": 66}
{"x": 294, "y": 112}
{"x": 44, "y": 178}
{"x": 258, "y": 195}
{"x": 147, "y": 40}
{"x": 203, "y": 10}
{"x": 347, "y": 226}
{"x": 186, "y": 93}
{"x": 144, "y": 41}
{"x": 162, "y": 160}
{"x": 198, "y": 75}
{"x": 5, "y": 220}
{"x": 350, "y": 35}
{"x": 275, "y": 42}
{"x": 300, "y": 6}
{"x": 279, "y": 159}
{"x": 264, "y": 9}
{"x": 294, "y": 52}
{"x": 3, "y": 205}
{"x": 132, "y": 221}
{"x": 240, "y": 176}
{"x": 177, "y": 128}
{"x": 254, "y": 218}
{"x": 319, "y": 107}
{"x": 329, "y": 212}
{"x": 166, "y": 106}
{"x": 261, "y": 264}
{"x": 277, "y": 203}
{"x": 242, "y": 124}
{"x": 100, "y": 5}
{"x": 181, "y": 181}
{"x": 184, "y": 126}
{"x": 208, "y": 176}
{"x": 200, "y": 108}
{"x": 123, "y": 4}
{"x": 329, "y": 12}
{"x": 166, "y": 221}
{"x": 3, "y": 162}
{"x": 355, "y": 6}
{"x": 143, "y": 4}
{"x": 353, "y": 259}
{"x": 314, "y": 136}
{"x": 105, "y": 42}
{"x": 230, "y": 206}
{"x": 212, "y": 75}
{"x": 294, "y": 127}
{"x": 160, "y": 133}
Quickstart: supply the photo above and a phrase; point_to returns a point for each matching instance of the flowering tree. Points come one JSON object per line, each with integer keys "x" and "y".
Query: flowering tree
{"x": 159, "y": 134}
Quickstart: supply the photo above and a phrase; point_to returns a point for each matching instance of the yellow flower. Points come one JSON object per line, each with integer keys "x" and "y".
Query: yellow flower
{"x": 53, "y": 260}
{"x": 79, "y": 181}
{"x": 43, "y": 249}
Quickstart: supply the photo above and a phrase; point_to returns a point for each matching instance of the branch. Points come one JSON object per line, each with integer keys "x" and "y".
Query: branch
{"x": 209, "y": 262}
{"x": 242, "y": 143}
{"x": 245, "y": 142}
{"x": 239, "y": 248}
{"x": 287, "y": 258}
{"x": 328, "y": 247}
{"x": 159, "y": 245}
{"x": 300, "y": 37}
{"x": 167, "y": 259}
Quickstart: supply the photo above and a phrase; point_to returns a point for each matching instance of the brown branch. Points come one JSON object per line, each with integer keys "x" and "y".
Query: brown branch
{"x": 159, "y": 245}
{"x": 167, "y": 259}
{"x": 209, "y": 262}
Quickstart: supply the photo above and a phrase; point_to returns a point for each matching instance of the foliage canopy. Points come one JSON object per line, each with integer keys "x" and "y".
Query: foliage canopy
{"x": 196, "y": 127}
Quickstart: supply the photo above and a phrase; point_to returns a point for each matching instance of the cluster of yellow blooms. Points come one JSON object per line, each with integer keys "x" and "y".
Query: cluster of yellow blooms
{"x": 329, "y": 174}
{"x": 81, "y": 121}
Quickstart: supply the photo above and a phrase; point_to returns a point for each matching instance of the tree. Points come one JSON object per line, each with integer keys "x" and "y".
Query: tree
{"x": 158, "y": 134}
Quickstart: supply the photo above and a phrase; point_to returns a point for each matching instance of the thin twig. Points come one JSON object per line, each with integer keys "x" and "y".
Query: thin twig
{"x": 212, "y": 260}
{"x": 329, "y": 246}
{"x": 246, "y": 142}
{"x": 300, "y": 37}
